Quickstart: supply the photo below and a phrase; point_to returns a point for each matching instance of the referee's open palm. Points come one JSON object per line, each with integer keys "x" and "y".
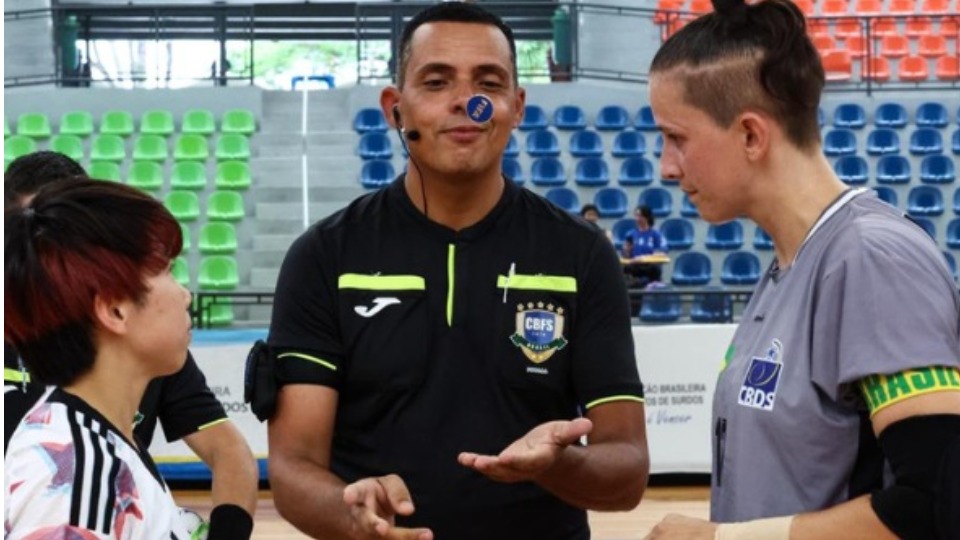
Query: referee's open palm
{"x": 374, "y": 502}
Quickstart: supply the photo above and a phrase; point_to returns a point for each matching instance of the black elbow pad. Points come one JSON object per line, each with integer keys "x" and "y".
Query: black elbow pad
{"x": 260, "y": 381}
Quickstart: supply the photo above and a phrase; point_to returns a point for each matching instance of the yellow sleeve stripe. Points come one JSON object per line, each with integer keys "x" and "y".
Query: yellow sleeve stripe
{"x": 211, "y": 424}
{"x": 881, "y": 391}
{"x": 610, "y": 399}
{"x": 538, "y": 283}
{"x": 381, "y": 283}
{"x": 15, "y": 375}
{"x": 308, "y": 358}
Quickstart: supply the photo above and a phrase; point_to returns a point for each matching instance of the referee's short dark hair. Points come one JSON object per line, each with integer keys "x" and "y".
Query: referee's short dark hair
{"x": 28, "y": 173}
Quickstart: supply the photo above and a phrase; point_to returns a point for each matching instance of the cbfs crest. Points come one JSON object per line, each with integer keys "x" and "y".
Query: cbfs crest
{"x": 539, "y": 331}
{"x": 759, "y": 389}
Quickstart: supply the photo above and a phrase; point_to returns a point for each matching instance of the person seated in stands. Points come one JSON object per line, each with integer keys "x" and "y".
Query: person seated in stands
{"x": 642, "y": 241}
{"x": 590, "y": 213}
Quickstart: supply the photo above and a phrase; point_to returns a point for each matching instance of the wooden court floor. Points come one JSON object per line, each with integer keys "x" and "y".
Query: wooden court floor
{"x": 633, "y": 525}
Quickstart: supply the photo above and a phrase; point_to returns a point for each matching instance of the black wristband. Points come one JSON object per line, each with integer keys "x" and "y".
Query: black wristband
{"x": 230, "y": 522}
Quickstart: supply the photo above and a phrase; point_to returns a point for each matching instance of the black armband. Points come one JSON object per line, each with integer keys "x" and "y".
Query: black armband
{"x": 260, "y": 381}
{"x": 922, "y": 452}
{"x": 230, "y": 522}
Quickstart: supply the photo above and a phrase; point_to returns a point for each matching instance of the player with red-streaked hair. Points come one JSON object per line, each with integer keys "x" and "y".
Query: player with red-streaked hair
{"x": 91, "y": 306}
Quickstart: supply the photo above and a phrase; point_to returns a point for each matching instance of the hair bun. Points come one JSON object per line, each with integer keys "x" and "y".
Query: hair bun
{"x": 734, "y": 9}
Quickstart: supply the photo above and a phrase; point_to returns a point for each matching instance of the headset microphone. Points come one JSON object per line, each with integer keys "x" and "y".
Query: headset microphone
{"x": 411, "y": 135}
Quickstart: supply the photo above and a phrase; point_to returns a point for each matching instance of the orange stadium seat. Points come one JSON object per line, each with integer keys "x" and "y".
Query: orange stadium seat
{"x": 950, "y": 27}
{"x": 824, "y": 42}
{"x": 918, "y": 26}
{"x": 856, "y": 46}
{"x": 834, "y": 7}
{"x": 847, "y": 28}
{"x": 935, "y": 6}
{"x": 913, "y": 69}
{"x": 948, "y": 68}
{"x": 837, "y": 65}
{"x": 868, "y": 7}
{"x": 902, "y": 7}
{"x": 894, "y": 46}
{"x": 818, "y": 27}
{"x": 884, "y": 27}
{"x": 932, "y": 46}
{"x": 878, "y": 70}
{"x": 807, "y": 7}
{"x": 701, "y": 6}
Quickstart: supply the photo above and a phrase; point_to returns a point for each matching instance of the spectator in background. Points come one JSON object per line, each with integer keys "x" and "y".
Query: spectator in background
{"x": 590, "y": 213}
{"x": 643, "y": 241}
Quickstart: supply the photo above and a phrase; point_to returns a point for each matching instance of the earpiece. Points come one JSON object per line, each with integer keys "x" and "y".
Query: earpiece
{"x": 412, "y": 135}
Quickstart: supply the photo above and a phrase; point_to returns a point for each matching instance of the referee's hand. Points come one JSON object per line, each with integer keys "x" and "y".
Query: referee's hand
{"x": 374, "y": 502}
{"x": 531, "y": 455}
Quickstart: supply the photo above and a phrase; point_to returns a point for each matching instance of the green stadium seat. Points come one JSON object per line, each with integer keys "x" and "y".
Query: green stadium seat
{"x": 181, "y": 271}
{"x": 157, "y": 122}
{"x": 198, "y": 122}
{"x": 190, "y": 175}
{"x": 16, "y": 146}
{"x": 68, "y": 145}
{"x": 145, "y": 175}
{"x": 33, "y": 125}
{"x": 6, "y": 127}
{"x": 233, "y": 146}
{"x": 225, "y": 206}
{"x": 187, "y": 237}
{"x": 79, "y": 123}
{"x": 184, "y": 205}
{"x": 232, "y": 175}
{"x": 216, "y": 314}
{"x": 217, "y": 238}
{"x": 218, "y": 273}
{"x": 108, "y": 148}
{"x": 191, "y": 147}
{"x": 104, "y": 170}
{"x": 116, "y": 123}
{"x": 150, "y": 148}
{"x": 238, "y": 121}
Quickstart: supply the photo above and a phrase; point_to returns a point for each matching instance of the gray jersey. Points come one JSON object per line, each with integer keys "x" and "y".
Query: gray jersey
{"x": 868, "y": 293}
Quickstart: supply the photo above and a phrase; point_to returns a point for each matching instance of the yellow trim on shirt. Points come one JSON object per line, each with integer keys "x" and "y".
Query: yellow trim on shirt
{"x": 15, "y": 375}
{"x": 881, "y": 391}
{"x": 381, "y": 283}
{"x": 211, "y": 424}
{"x": 308, "y": 358}
{"x": 610, "y": 399}
{"x": 538, "y": 283}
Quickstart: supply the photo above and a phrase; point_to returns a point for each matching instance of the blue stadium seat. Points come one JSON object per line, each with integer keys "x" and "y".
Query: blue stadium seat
{"x": 375, "y": 145}
{"x": 547, "y": 171}
{"x": 569, "y": 117}
{"x": 883, "y": 141}
{"x": 513, "y": 147}
{"x": 658, "y": 199}
{"x": 937, "y": 169}
{"x": 512, "y": 169}
{"x": 691, "y": 268}
{"x": 955, "y": 143}
{"x": 821, "y": 117}
{"x": 893, "y": 169}
{"x": 925, "y": 141}
{"x": 661, "y": 308}
{"x": 376, "y": 173}
{"x": 658, "y": 145}
{"x": 852, "y": 170}
{"x": 953, "y": 234}
{"x": 644, "y": 120}
{"x": 727, "y": 235}
{"x": 887, "y": 195}
{"x": 687, "y": 208}
{"x": 840, "y": 142}
{"x": 629, "y": 144}
{"x": 586, "y": 143}
{"x": 762, "y": 240}
{"x": 712, "y": 306}
{"x": 932, "y": 114}
{"x": 677, "y": 233}
{"x": 951, "y": 264}
{"x": 565, "y": 198}
{"x": 542, "y": 143}
{"x": 620, "y": 229}
{"x": 956, "y": 201}
{"x": 850, "y": 116}
{"x": 926, "y": 225}
{"x": 591, "y": 172}
{"x": 740, "y": 268}
{"x": 925, "y": 201}
{"x": 612, "y": 118}
{"x": 369, "y": 119}
{"x": 534, "y": 118}
{"x": 890, "y": 115}
{"x": 635, "y": 171}
{"x": 611, "y": 202}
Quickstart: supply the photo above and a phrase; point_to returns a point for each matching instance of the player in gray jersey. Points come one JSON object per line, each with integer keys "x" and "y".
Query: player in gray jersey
{"x": 846, "y": 359}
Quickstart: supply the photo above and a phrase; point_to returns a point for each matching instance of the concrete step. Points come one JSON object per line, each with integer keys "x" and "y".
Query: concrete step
{"x": 295, "y": 193}
{"x": 294, "y": 211}
{"x": 263, "y": 243}
{"x": 264, "y": 278}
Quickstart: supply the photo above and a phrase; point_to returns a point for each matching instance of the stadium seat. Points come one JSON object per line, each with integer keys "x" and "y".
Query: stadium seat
{"x": 658, "y": 199}
{"x": 890, "y": 115}
{"x": 225, "y": 206}
{"x": 612, "y": 118}
{"x": 184, "y": 205}
{"x": 198, "y": 122}
{"x": 691, "y": 268}
{"x": 629, "y": 144}
{"x": 948, "y": 68}
{"x": 837, "y": 65}
{"x": 868, "y": 7}
{"x": 856, "y": 46}
{"x": 918, "y": 26}
{"x": 913, "y": 69}
{"x": 644, "y": 120}
{"x": 104, "y": 170}
{"x": 877, "y": 69}
{"x": 586, "y": 143}
{"x": 611, "y": 202}
{"x": 658, "y": 145}
{"x": 191, "y": 147}
{"x": 935, "y": 6}
{"x": 186, "y": 235}
{"x": 513, "y": 148}
{"x": 849, "y": 116}
{"x": 762, "y": 240}
{"x": 240, "y": 121}
{"x": 217, "y": 238}
{"x": 925, "y": 141}
{"x": 181, "y": 271}
{"x": 232, "y": 146}
{"x": 68, "y": 145}
{"x": 592, "y": 172}
{"x": 688, "y": 209}
{"x": 33, "y": 125}
{"x": 925, "y": 201}
{"x": 677, "y": 233}
{"x": 884, "y": 26}
{"x": 727, "y": 235}
{"x": 951, "y": 264}
{"x": 882, "y": 141}
{"x": 846, "y": 28}
{"x": 374, "y": 145}
{"x": 932, "y": 115}
{"x": 79, "y": 123}
{"x": 157, "y": 122}
{"x": 660, "y": 307}
{"x": 840, "y": 142}
{"x": 894, "y": 46}
{"x": 937, "y": 169}
{"x": 369, "y": 119}
{"x": 956, "y": 201}
{"x": 375, "y": 173}
{"x": 887, "y": 195}
{"x": 852, "y": 170}
{"x": 902, "y": 7}
{"x": 712, "y": 306}
{"x": 740, "y": 268}
{"x": 232, "y": 175}
{"x": 569, "y": 117}
{"x": 953, "y": 234}
{"x": 932, "y": 46}
{"x": 955, "y": 143}
{"x": 188, "y": 175}
{"x": 620, "y": 229}
{"x": 150, "y": 148}
{"x": 119, "y": 123}
{"x": 565, "y": 198}
{"x": 821, "y": 117}
{"x": 824, "y": 42}
{"x": 547, "y": 171}
{"x": 534, "y": 118}
{"x": 893, "y": 169}
{"x": 218, "y": 273}
{"x": 542, "y": 143}
{"x": 108, "y": 148}
{"x": 635, "y": 171}
{"x": 145, "y": 175}
{"x": 511, "y": 168}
